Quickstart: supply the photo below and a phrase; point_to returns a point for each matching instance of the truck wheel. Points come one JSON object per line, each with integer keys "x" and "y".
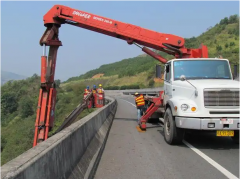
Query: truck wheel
{"x": 235, "y": 138}
{"x": 172, "y": 134}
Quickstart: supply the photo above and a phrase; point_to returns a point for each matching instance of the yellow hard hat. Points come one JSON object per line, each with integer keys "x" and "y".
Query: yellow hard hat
{"x": 100, "y": 85}
{"x": 136, "y": 93}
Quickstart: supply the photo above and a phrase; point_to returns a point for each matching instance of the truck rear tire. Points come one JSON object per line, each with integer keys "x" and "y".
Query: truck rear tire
{"x": 235, "y": 138}
{"x": 172, "y": 134}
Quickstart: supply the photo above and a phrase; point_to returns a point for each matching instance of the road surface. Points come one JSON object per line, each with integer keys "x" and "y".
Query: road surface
{"x": 130, "y": 154}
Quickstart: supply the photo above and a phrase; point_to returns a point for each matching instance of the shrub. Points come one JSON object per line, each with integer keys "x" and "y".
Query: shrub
{"x": 232, "y": 44}
{"x": 78, "y": 89}
{"x": 57, "y": 83}
{"x": 26, "y": 107}
{"x": 8, "y": 103}
{"x": 69, "y": 89}
{"x": 3, "y": 143}
{"x": 219, "y": 48}
{"x": 236, "y": 50}
{"x": 233, "y": 19}
{"x": 151, "y": 83}
{"x": 112, "y": 88}
{"x": 224, "y": 21}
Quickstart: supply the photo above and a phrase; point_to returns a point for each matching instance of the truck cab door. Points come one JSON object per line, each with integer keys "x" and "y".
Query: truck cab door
{"x": 167, "y": 82}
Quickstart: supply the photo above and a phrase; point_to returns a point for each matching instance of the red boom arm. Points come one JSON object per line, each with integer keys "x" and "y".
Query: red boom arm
{"x": 58, "y": 15}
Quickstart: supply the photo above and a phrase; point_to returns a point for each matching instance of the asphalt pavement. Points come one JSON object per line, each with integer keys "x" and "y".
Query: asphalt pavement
{"x": 131, "y": 154}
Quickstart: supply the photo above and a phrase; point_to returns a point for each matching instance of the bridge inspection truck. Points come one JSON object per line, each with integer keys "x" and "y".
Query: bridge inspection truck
{"x": 199, "y": 92}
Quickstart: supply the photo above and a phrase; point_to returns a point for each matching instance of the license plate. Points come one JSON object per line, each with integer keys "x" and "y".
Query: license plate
{"x": 226, "y": 121}
{"x": 225, "y": 133}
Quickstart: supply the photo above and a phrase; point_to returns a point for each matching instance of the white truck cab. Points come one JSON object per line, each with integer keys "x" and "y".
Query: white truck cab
{"x": 200, "y": 94}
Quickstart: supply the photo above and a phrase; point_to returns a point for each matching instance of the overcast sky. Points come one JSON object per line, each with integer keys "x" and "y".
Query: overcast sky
{"x": 83, "y": 50}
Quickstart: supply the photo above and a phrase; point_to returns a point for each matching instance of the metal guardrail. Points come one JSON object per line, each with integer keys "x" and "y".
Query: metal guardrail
{"x": 146, "y": 91}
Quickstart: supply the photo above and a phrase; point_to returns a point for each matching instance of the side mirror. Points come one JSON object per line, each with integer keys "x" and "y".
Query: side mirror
{"x": 183, "y": 78}
{"x": 235, "y": 72}
{"x": 158, "y": 71}
{"x": 167, "y": 68}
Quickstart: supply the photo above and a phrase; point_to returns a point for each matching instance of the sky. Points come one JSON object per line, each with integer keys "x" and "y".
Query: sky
{"x": 83, "y": 50}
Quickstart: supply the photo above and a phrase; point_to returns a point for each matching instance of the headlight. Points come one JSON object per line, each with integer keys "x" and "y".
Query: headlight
{"x": 184, "y": 107}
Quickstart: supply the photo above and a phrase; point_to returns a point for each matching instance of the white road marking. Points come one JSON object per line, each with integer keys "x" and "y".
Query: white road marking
{"x": 208, "y": 159}
{"x": 212, "y": 162}
{"x": 128, "y": 102}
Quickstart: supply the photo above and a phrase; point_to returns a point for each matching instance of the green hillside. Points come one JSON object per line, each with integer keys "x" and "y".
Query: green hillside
{"x": 222, "y": 39}
{"x": 126, "y": 67}
{"x": 18, "y": 113}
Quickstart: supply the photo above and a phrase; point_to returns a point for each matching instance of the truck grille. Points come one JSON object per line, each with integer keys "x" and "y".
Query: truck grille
{"x": 217, "y": 97}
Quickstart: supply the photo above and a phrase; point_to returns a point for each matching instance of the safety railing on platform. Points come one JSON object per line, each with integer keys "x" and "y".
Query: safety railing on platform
{"x": 75, "y": 113}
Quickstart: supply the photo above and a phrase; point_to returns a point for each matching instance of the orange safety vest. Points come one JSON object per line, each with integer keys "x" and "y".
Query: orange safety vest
{"x": 94, "y": 91}
{"x": 140, "y": 100}
{"x": 99, "y": 90}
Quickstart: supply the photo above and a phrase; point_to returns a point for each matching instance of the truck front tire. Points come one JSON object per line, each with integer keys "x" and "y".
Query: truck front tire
{"x": 235, "y": 138}
{"x": 172, "y": 134}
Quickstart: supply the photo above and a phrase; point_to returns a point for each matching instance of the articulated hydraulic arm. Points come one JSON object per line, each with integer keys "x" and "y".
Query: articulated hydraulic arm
{"x": 47, "y": 94}
{"x": 132, "y": 34}
{"x": 168, "y": 43}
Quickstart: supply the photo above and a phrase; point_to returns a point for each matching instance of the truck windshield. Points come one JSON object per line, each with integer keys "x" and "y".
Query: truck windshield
{"x": 201, "y": 69}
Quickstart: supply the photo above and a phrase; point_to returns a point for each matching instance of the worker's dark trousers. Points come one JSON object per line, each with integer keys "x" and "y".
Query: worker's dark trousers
{"x": 140, "y": 110}
{"x": 93, "y": 104}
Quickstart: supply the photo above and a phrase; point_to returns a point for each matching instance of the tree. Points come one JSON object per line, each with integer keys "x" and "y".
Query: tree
{"x": 232, "y": 44}
{"x": 223, "y": 27}
{"x": 224, "y": 21}
{"x": 130, "y": 73}
{"x": 233, "y": 19}
{"x": 151, "y": 83}
{"x": 69, "y": 88}
{"x": 8, "y": 103}
{"x": 57, "y": 82}
{"x": 219, "y": 48}
{"x": 78, "y": 89}
{"x": 26, "y": 107}
{"x": 120, "y": 75}
{"x": 35, "y": 76}
{"x": 236, "y": 32}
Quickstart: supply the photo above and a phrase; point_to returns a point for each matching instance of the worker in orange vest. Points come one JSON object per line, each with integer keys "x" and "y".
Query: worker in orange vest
{"x": 87, "y": 90}
{"x": 94, "y": 90}
{"x": 140, "y": 104}
{"x": 100, "y": 89}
